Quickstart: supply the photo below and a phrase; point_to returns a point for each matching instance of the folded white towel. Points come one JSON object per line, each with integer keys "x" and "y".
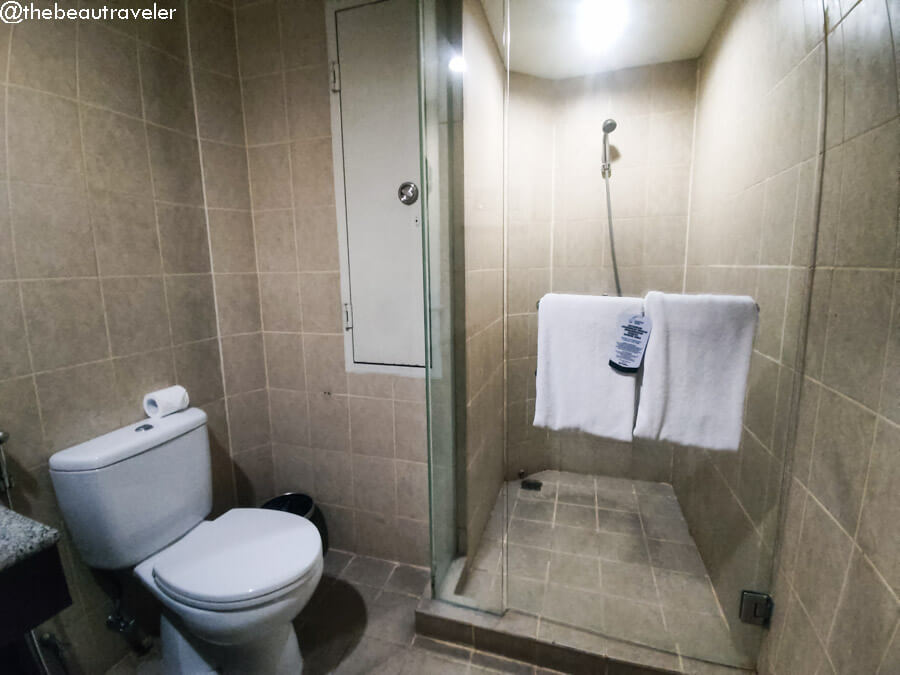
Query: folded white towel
{"x": 695, "y": 369}
{"x": 576, "y": 387}
{"x": 166, "y": 401}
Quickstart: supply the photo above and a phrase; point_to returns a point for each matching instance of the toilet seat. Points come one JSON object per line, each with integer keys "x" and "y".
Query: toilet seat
{"x": 244, "y": 558}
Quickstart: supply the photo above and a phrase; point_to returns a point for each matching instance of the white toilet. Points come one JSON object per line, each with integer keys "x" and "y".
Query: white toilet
{"x": 230, "y": 587}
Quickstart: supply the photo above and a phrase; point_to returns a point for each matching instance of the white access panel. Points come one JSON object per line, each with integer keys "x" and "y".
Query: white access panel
{"x": 375, "y": 115}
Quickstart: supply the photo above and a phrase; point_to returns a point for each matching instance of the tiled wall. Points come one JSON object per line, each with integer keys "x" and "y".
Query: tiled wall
{"x": 838, "y": 572}
{"x": 355, "y": 442}
{"x": 558, "y": 236}
{"x": 482, "y": 314}
{"x": 124, "y": 268}
{"x": 105, "y": 282}
{"x": 750, "y": 231}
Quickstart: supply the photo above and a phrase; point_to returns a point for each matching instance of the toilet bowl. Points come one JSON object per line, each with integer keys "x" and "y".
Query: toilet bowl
{"x": 138, "y": 498}
{"x": 228, "y": 585}
{"x": 230, "y": 589}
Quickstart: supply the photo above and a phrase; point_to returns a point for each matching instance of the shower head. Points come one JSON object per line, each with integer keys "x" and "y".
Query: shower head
{"x": 609, "y": 126}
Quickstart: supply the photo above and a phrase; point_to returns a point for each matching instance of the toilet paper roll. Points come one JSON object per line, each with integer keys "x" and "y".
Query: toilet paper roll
{"x": 166, "y": 401}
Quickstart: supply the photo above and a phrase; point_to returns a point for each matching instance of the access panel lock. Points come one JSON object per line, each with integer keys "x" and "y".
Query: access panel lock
{"x": 756, "y": 607}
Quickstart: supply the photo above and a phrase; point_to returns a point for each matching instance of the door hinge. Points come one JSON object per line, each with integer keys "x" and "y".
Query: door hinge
{"x": 348, "y": 316}
{"x": 335, "y": 76}
{"x": 756, "y": 607}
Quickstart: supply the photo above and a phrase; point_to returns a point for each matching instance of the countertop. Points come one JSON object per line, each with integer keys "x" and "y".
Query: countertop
{"x": 22, "y": 537}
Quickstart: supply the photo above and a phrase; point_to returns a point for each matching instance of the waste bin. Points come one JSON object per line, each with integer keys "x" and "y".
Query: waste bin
{"x": 302, "y": 505}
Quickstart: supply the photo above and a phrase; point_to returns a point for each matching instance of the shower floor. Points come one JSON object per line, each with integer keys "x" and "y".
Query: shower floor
{"x": 609, "y": 556}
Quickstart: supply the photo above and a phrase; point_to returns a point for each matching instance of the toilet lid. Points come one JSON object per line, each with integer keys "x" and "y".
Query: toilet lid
{"x": 243, "y": 554}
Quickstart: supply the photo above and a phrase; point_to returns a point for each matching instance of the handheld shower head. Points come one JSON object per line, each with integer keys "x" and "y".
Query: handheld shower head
{"x": 609, "y": 126}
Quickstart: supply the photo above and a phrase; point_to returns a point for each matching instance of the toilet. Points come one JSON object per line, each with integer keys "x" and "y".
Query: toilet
{"x": 230, "y": 587}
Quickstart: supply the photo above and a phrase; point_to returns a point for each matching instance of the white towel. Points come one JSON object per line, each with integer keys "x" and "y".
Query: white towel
{"x": 576, "y": 387}
{"x": 695, "y": 369}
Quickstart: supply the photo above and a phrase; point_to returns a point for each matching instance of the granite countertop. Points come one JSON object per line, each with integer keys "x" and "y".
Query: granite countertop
{"x": 22, "y": 537}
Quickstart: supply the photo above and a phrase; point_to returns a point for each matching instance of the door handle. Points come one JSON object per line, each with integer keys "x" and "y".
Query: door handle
{"x": 408, "y": 193}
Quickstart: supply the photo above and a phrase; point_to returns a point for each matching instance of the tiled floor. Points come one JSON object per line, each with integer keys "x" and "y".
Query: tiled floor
{"x": 361, "y": 620}
{"x": 605, "y": 555}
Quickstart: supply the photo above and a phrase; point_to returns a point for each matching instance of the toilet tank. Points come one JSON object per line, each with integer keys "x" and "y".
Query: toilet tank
{"x": 131, "y": 492}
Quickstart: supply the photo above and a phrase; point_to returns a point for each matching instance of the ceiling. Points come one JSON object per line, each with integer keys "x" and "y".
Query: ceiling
{"x": 556, "y": 39}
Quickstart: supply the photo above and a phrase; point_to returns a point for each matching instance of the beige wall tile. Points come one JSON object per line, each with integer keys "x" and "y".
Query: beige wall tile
{"x": 231, "y": 237}
{"x": 253, "y": 477}
{"x": 879, "y": 522}
{"x": 333, "y": 477}
{"x": 168, "y": 35}
{"x": 237, "y": 297}
{"x": 410, "y": 430}
{"x": 199, "y": 370}
{"x": 258, "y": 43}
{"x": 78, "y": 404}
{"x": 838, "y": 473}
{"x": 34, "y": 153}
{"x": 244, "y": 363}
{"x": 280, "y": 294}
{"x": 303, "y": 33}
{"x": 42, "y": 56}
{"x": 374, "y": 485}
{"x": 52, "y": 230}
{"x": 870, "y": 91}
{"x": 293, "y": 469}
{"x": 219, "y": 113}
{"x": 372, "y": 426}
{"x": 858, "y": 325}
{"x": 192, "y": 308}
{"x": 185, "y": 245}
{"x": 329, "y": 422}
{"x": 225, "y": 173}
{"x": 166, "y": 83}
{"x": 867, "y": 234}
{"x": 324, "y": 356}
{"x": 309, "y": 102}
{"x": 288, "y": 410}
{"x": 313, "y": 173}
{"x": 248, "y": 420}
{"x": 317, "y": 231}
{"x": 136, "y": 314}
{"x": 14, "y": 358}
{"x": 865, "y": 620}
{"x": 115, "y": 152}
{"x": 264, "y": 109}
{"x": 125, "y": 234}
{"x": 275, "y": 241}
{"x": 320, "y": 295}
{"x": 212, "y": 37}
{"x": 108, "y": 69}
{"x": 21, "y": 420}
{"x": 270, "y": 172}
{"x": 284, "y": 361}
{"x": 65, "y": 322}
{"x": 175, "y": 162}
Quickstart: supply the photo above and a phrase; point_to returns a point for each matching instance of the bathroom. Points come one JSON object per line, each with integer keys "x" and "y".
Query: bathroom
{"x": 181, "y": 190}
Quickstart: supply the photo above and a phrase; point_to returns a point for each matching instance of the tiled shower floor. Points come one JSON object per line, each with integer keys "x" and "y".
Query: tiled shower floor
{"x": 605, "y": 555}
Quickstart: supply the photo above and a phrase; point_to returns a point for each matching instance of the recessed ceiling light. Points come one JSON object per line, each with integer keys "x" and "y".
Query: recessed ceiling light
{"x": 457, "y": 64}
{"x": 600, "y": 22}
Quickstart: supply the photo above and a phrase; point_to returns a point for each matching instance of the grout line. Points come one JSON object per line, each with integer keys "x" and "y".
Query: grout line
{"x": 190, "y": 62}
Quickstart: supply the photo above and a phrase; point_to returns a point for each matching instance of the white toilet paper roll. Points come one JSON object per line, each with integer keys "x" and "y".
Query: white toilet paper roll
{"x": 166, "y": 401}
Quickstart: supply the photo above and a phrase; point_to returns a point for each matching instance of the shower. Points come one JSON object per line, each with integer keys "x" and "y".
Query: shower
{"x": 609, "y": 125}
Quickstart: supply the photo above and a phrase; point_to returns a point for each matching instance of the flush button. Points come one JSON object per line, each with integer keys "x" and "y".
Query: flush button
{"x": 144, "y": 427}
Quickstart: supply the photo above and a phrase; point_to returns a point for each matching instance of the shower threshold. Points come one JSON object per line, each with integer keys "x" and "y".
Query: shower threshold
{"x": 597, "y": 569}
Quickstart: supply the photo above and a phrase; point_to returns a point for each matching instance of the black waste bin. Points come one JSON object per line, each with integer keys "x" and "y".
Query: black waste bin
{"x": 302, "y": 505}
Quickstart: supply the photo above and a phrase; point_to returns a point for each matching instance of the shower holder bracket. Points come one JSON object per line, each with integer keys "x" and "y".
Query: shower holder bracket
{"x": 756, "y": 607}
